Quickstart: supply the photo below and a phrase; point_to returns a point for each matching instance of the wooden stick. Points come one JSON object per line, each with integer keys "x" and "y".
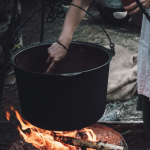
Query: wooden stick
{"x": 87, "y": 144}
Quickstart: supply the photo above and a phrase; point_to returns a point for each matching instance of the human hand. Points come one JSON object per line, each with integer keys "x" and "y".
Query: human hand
{"x": 56, "y": 53}
{"x": 134, "y": 8}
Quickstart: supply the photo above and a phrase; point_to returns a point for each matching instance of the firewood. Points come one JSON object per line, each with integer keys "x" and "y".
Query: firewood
{"x": 87, "y": 144}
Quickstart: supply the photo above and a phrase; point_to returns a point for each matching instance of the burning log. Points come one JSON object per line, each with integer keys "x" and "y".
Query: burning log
{"x": 87, "y": 144}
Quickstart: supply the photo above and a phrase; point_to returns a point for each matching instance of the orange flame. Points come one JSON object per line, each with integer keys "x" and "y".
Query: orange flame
{"x": 41, "y": 138}
{"x": 12, "y": 108}
{"x": 90, "y": 134}
{"x": 8, "y": 115}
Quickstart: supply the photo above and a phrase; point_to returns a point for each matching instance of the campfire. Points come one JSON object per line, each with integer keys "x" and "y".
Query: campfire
{"x": 68, "y": 140}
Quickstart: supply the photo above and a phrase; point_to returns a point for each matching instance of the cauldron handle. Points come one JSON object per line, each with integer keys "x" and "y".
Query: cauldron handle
{"x": 112, "y": 45}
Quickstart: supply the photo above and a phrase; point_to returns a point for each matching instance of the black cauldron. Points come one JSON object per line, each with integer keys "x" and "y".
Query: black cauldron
{"x": 73, "y": 96}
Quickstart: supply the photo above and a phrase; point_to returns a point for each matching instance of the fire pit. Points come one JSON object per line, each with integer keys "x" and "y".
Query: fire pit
{"x": 96, "y": 136}
{"x": 103, "y": 133}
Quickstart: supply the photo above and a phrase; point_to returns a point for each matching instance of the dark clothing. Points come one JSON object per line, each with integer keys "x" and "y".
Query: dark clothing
{"x": 139, "y": 103}
{"x": 144, "y": 105}
{"x": 5, "y": 17}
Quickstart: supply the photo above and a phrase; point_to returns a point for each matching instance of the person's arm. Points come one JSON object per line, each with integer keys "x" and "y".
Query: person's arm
{"x": 133, "y": 8}
{"x": 73, "y": 17}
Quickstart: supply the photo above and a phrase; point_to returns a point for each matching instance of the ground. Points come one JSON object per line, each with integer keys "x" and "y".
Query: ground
{"x": 126, "y": 35}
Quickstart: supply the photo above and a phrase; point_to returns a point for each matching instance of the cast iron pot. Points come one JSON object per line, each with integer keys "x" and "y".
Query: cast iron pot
{"x": 108, "y": 7}
{"x": 73, "y": 96}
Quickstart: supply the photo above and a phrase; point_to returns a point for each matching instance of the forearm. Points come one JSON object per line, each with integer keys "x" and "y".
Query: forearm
{"x": 73, "y": 18}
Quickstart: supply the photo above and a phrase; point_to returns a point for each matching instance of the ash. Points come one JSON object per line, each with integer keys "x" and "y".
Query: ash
{"x": 22, "y": 145}
{"x": 124, "y": 111}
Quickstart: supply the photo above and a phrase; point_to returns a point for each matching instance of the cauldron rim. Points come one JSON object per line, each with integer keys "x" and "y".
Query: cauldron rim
{"x": 108, "y": 51}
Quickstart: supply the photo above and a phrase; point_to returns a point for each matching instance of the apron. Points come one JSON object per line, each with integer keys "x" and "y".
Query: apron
{"x": 143, "y": 61}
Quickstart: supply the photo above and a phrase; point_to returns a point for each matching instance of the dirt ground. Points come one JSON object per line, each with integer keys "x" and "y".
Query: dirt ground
{"x": 126, "y": 35}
